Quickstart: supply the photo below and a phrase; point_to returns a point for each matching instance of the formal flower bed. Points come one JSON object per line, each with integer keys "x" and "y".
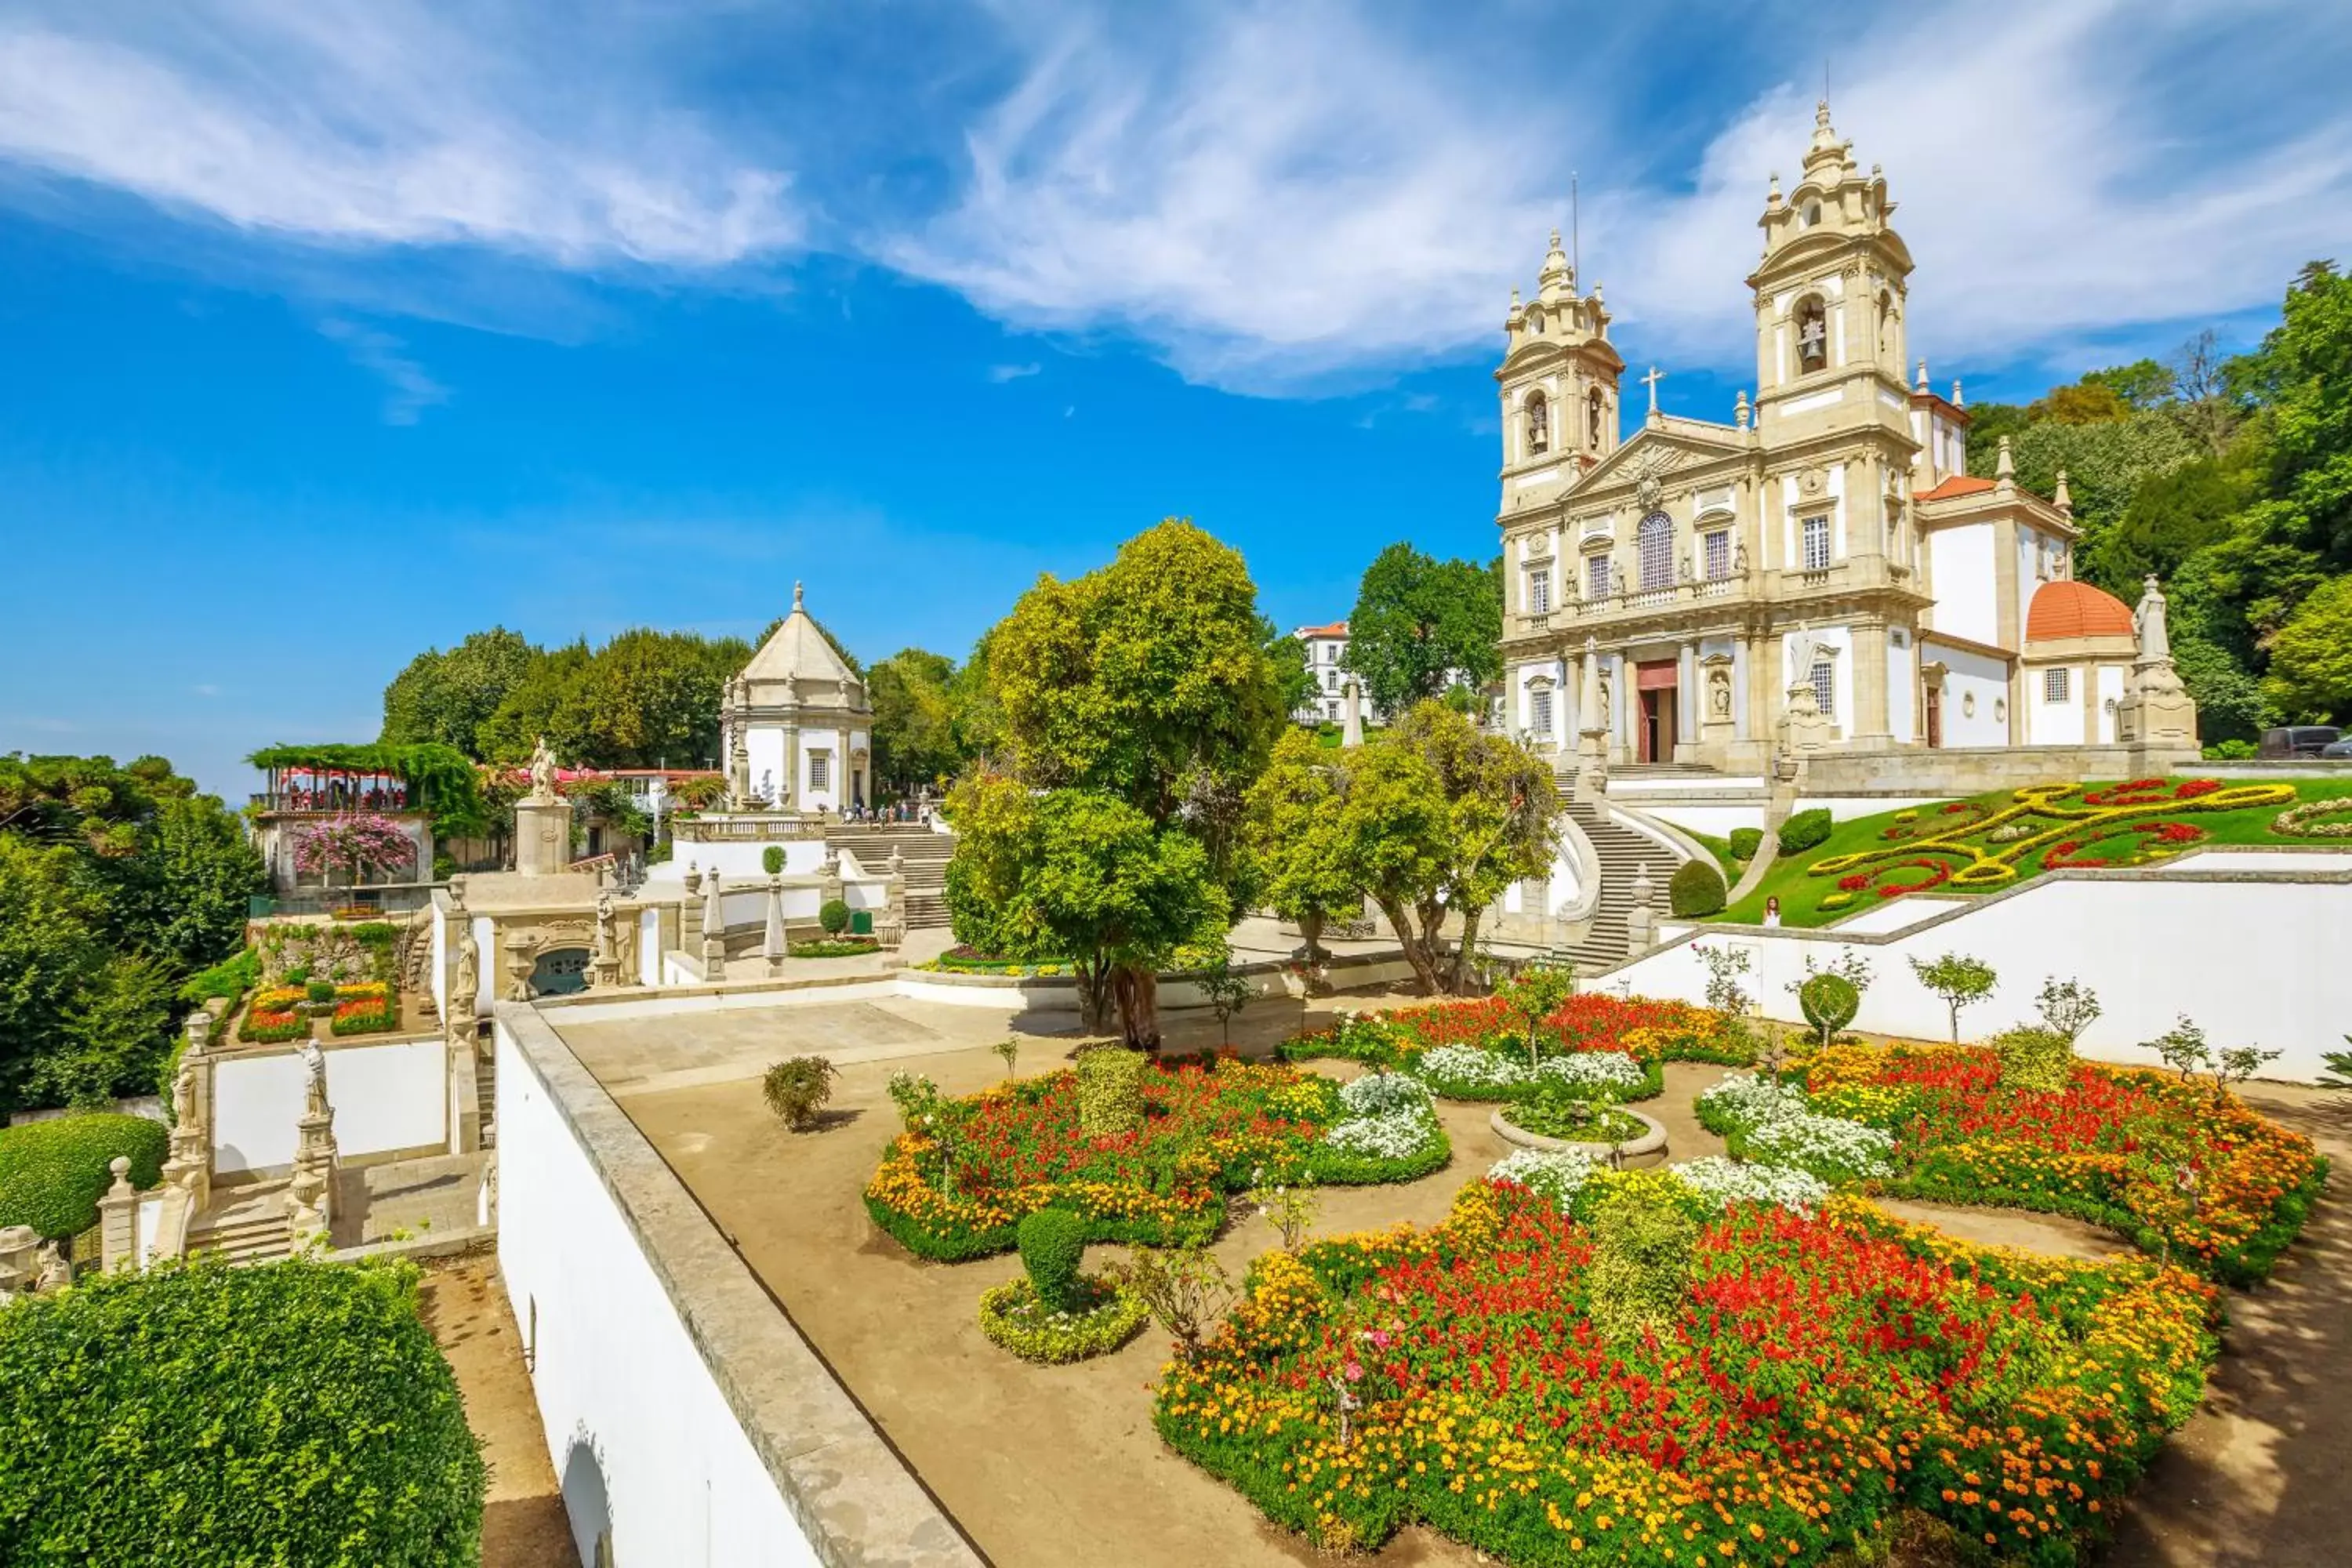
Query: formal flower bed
{"x": 2316, "y": 820}
{"x": 1436, "y": 1042}
{"x": 1467, "y": 1072}
{"x": 365, "y": 1009}
{"x": 2172, "y": 1164}
{"x": 957, "y": 1187}
{"x": 1814, "y": 1377}
{"x": 1573, "y": 1122}
{"x": 834, "y": 947}
{"x": 272, "y": 1017}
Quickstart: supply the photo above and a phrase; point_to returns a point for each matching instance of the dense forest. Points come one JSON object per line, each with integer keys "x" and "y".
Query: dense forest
{"x": 116, "y": 885}
{"x": 2230, "y": 480}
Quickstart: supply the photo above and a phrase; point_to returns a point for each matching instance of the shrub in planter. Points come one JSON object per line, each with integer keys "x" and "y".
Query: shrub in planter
{"x": 319, "y": 989}
{"x": 1105, "y": 1318}
{"x": 1642, "y": 1236}
{"x": 833, "y": 917}
{"x": 772, "y": 859}
{"x": 1805, "y": 830}
{"x": 53, "y": 1172}
{"x": 1052, "y": 1243}
{"x": 2035, "y": 1059}
{"x": 1829, "y": 1002}
{"x": 1696, "y": 890}
{"x": 1110, "y": 1091}
{"x": 1745, "y": 842}
{"x": 797, "y": 1088}
{"x": 298, "y": 1413}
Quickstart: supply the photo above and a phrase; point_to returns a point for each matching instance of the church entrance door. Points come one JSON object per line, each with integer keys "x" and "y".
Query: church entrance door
{"x": 1653, "y": 738}
{"x": 1934, "y": 716}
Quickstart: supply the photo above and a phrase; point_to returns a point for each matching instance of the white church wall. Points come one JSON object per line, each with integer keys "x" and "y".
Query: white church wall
{"x": 2253, "y": 962}
{"x": 1976, "y": 697}
{"x": 2059, "y": 722}
{"x": 763, "y": 753}
{"x": 1902, "y": 685}
{"x": 1967, "y": 590}
{"x": 734, "y": 860}
{"x": 649, "y": 955}
{"x": 1839, "y": 549}
{"x": 2111, "y": 694}
{"x": 486, "y": 948}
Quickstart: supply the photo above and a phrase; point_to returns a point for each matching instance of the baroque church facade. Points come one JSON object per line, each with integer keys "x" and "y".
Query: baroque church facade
{"x": 1820, "y": 574}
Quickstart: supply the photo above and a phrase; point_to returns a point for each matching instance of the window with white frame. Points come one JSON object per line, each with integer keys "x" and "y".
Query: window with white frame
{"x": 1654, "y": 541}
{"x": 1816, "y": 541}
{"x": 1824, "y": 679}
{"x": 2055, "y": 685}
{"x": 1540, "y": 591}
{"x": 1539, "y": 709}
{"x": 1596, "y": 576}
{"x": 1716, "y": 545}
{"x": 820, "y": 770}
{"x": 1330, "y": 681}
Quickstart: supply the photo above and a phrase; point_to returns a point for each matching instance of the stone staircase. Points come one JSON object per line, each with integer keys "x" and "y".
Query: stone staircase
{"x": 923, "y": 853}
{"x": 1623, "y": 854}
{"x": 485, "y": 1095}
{"x": 250, "y": 1227}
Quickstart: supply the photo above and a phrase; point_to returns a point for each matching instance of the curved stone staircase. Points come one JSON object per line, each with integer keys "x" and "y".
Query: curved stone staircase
{"x": 1623, "y": 854}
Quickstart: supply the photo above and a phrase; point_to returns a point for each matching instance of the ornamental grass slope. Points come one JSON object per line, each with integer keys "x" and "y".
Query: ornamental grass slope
{"x": 1818, "y": 1383}
{"x": 958, "y": 1186}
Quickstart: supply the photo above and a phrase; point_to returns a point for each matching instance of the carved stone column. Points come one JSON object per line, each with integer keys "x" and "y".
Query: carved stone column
{"x": 118, "y": 1220}
{"x": 714, "y": 930}
{"x": 772, "y": 946}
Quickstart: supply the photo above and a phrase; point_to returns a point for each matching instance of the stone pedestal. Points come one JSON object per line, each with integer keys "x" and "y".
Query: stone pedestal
{"x": 20, "y": 1259}
{"x": 542, "y": 836}
{"x": 310, "y": 1194}
{"x": 1803, "y": 727}
{"x": 118, "y": 1220}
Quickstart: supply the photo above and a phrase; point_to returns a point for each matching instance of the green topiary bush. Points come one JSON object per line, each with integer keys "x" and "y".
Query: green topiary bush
{"x": 772, "y": 859}
{"x": 1052, "y": 1243}
{"x": 205, "y": 1417}
{"x": 833, "y": 917}
{"x": 797, "y": 1088}
{"x": 1829, "y": 1002}
{"x": 1696, "y": 889}
{"x": 1642, "y": 1236}
{"x": 1805, "y": 830}
{"x": 2035, "y": 1059}
{"x": 319, "y": 991}
{"x": 1745, "y": 843}
{"x": 1110, "y": 1091}
{"x": 53, "y": 1172}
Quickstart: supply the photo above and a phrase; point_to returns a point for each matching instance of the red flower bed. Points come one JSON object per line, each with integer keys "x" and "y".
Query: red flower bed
{"x": 2149, "y": 791}
{"x": 1819, "y": 1375}
{"x": 2151, "y": 841}
{"x": 1937, "y": 875}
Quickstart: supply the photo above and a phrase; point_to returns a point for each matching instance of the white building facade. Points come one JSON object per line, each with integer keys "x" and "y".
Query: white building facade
{"x": 796, "y": 726}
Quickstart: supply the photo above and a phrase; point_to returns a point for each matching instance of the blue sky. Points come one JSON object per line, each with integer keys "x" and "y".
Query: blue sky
{"x": 329, "y": 332}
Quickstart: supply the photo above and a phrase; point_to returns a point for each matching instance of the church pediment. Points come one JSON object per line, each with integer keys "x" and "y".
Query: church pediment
{"x": 1648, "y": 462}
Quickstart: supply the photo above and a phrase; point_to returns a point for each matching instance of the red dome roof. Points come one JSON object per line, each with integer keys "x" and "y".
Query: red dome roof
{"x": 2069, "y": 609}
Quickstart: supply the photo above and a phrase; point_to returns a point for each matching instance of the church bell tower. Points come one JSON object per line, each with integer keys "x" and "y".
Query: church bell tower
{"x": 1832, "y": 295}
{"x": 1558, "y": 382}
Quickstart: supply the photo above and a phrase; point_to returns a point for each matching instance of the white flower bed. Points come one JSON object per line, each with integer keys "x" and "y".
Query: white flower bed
{"x": 1394, "y": 1136}
{"x": 1555, "y": 1175}
{"x": 1471, "y": 1068}
{"x": 1383, "y": 1094}
{"x": 1751, "y": 1100}
{"x": 1592, "y": 1069}
{"x": 1804, "y": 1139}
{"x": 1727, "y": 1182}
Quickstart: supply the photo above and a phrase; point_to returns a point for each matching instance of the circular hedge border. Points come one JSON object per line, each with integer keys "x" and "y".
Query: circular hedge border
{"x": 1117, "y": 1317}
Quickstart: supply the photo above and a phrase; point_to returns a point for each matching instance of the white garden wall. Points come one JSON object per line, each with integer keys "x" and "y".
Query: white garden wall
{"x": 388, "y": 1099}
{"x": 2253, "y": 960}
{"x": 682, "y": 1410}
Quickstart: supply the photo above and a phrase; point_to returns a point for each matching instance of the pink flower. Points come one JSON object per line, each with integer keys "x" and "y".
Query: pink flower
{"x": 1354, "y": 1371}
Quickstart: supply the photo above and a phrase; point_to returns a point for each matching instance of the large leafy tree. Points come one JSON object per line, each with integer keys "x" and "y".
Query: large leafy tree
{"x": 448, "y": 697}
{"x": 1078, "y": 875}
{"x": 1146, "y": 682}
{"x": 1432, "y": 821}
{"x": 913, "y": 697}
{"x": 2311, "y": 658}
{"x": 1420, "y": 626}
{"x": 1290, "y": 836}
{"x": 1287, "y": 655}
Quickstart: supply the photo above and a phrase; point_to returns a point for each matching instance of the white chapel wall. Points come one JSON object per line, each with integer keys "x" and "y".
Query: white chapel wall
{"x": 1976, "y": 697}
{"x": 387, "y": 1099}
{"x": 1967, "y": 590}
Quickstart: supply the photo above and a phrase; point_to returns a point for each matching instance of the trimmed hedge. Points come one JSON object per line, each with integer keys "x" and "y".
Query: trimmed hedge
{"x": 1105, "y": 1318}
{"x": 53, "y": 1172}
{"x": 1696, "y": 888}
{"x": 1828, "y": 1001}
{"x": 1053, "y": 1244}
{"x": 1745, "y": 843}
{"x": 205, "y": 1417}
{"x": 833, "y": 917}
{"x": 1805, "y": 830}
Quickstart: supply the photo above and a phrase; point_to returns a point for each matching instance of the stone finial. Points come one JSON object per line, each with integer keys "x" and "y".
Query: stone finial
{"x": 2060, "y": 497}
{"x": 797, "y": 601}
{"x": 693, "y": 878}
{"x": 120, "y": 1167}
{"x": 1772, "y": 192}
{"x": 1739, "y": 409}
{"x": 1644, "y": 890}
{"x": 1957, "y": 401}
{"x": 1923, "y": 377}
{"x": 2004, "y": 467}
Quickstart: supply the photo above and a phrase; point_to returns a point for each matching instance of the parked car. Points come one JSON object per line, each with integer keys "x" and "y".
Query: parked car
{"x": 2341, "y": 750}
{"x": 2299, "y": 741}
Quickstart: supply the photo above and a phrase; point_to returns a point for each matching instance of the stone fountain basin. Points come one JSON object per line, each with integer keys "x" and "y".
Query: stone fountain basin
{"x": 1649, "y": 1149}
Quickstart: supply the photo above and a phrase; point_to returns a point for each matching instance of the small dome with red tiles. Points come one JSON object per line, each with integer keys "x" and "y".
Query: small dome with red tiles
{"x": 2066, "y": 608}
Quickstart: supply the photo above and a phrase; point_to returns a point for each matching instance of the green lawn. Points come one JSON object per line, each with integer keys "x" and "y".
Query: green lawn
{"x": 1721, "y": 849}
{"x": 1948, "y": 846}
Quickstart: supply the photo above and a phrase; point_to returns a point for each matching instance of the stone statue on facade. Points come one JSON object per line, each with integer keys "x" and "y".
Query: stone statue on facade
{"x": 465, "y": 991}
{"x": 1804, "y": 652}
{"x": 183, "y": 1096}
{"x": 314, "y": 1078}
{"x": 1718, "y": 693}
{"x": 604, "y": 969}
{"x": 1739, "y": 556}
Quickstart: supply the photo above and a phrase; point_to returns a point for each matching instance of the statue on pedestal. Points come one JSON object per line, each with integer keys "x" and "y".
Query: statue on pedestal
{"x": 542, "y": 771}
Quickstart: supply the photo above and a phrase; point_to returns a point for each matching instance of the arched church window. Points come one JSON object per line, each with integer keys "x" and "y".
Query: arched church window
{"x": 1886, "y": 323}
{"x": 1812, "y": 335}
{"x": 1538, "y": 423}
{"x": 1595, "y": 406}
{"x": 1655, "y": 540}
{"x": 1813, "y": 214}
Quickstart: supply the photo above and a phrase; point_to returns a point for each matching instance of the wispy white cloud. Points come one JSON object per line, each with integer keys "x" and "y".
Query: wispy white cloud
{"x": 375, "y": 123}
{"x": 409, "y": 390}
{"x": 1001, "y": 373}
